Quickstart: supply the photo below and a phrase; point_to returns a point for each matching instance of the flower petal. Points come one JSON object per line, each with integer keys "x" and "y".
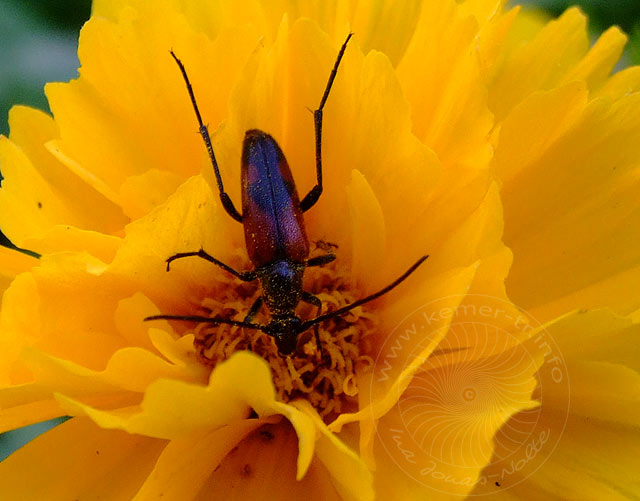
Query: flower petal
{"x": 399, "y": 18}
{"x": 540, "y": 64}
{"x": 140, "y": 194}
{"x": 52, "y": 288}
{"x": 624, "y": 82}
{"x": 534, "y": 125}
{"x": 558, "y": 54}
{"x": 594, "y": 68}
{"x": 172, "y": 408}
{"x": 475, "y": 245}
{"x": 368, "y": 230}
{"x": 186, "y": 463}
{"x": 191, "y": 219}
{"x": 563, "y": 244}
{"x": 349, "y": 474}
{"x": 28, "y": 204}
{"x": 13, "y": 320}
{"x": 590, "y": 448}
{"x": 42, "y": 190}
{"x": 439, "y": 436}
{"x": 396, "y": 365}
{"x": 78, "y": 460}
{"x": 12, "y": 263}
{"x": 16, "y": 415}
{"x": 452, "y": 119}
{"x": 128, "y": 373}
{"x": 263, "y": 467}
{"x": 131, "y": 97}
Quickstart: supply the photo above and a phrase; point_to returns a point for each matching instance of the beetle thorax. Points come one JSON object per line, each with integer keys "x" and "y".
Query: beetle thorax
{"x": 281, "y": 283}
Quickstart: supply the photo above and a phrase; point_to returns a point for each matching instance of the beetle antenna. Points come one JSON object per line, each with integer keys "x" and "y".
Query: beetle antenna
{"x": 207, "y": 320}
{"x": 340, "y": 311}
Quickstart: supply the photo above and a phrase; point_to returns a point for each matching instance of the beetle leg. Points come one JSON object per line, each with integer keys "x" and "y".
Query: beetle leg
{"x": 255, "y": 308}
{"x": 253, "y": 311}
{"x": 247, "y": 324}
{"x": 208, "y": 320}
{"x": 309, "y": 298}
{"x": 245, "y": 276}
{"x": 204, "y": 132}
{"x": 312, "y": 197}
{"x": 320, "y": 260}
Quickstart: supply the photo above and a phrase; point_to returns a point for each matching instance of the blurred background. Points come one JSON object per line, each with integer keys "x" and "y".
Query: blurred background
{"x": 38, "y": 41}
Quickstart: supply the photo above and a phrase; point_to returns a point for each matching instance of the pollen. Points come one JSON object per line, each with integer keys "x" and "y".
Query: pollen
{"x": 327, "y": 379}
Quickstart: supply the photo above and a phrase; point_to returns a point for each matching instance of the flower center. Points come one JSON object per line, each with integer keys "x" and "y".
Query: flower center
{"x": 326, "y": 379}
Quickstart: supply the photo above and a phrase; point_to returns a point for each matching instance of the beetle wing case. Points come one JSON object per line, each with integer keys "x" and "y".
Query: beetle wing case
{"x": 273, "y": 222}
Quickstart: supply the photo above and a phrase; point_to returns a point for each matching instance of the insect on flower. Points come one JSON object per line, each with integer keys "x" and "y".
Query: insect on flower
{"x": 274, "y": 231}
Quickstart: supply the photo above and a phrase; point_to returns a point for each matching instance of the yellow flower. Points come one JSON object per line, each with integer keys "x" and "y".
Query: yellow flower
{"x": 498, "y": 145}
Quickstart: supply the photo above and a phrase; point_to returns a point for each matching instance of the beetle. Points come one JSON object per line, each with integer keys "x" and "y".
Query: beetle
{"x": 274, "y": 229}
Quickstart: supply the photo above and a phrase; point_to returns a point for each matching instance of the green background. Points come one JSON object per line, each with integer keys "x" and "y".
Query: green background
{"x": 38, "y": 41}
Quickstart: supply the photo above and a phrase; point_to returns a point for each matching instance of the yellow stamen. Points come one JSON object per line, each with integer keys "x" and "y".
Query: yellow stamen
{"x": 328, "y": 382}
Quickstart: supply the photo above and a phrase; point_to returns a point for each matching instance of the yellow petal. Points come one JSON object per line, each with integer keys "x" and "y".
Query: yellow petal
{"x": 623, "y": 82}
{"x": 536, "y": 124}
{"x": 190, "y": 219}
{"x": 400, "y": 20}
{"x": 127, "y": 320}
{"x": 603, "y": 335}
{"x": 109, "y": 8}
{"x": 172, "y": 408}
{"x": 570, "y": 238}
{"x": 68, "y": 238}
{"x": 598, "y": 63}
{"x": 17, "y": 416}
{"x": 585, "y": 460}
{"x": 452, "y": 119}
{"x": 12, "y": 263}
{"x": 397, "y": 365}
{"x": 611, "y": 291}
{"x": 263, "y": 467}
{"x": 439, "y": 436}
{"x": 368, "y": 230}
{"x": 46, "y": 192}
{"x": 495, "y": 26}
{"x": 534, "y": 65}
{"x": 541, "y": 63}
{"x": 186, "y": 463}
{"x": 28, "y": 204}
{"x": 477, "y": 237}
{"x": 85, "y": 334}
{"x": 584, "y": 436}
{"x": 383, "y": 148}
{"x": 78, "y": 460}
{"x": 471, "y": 244}
{"x": 117, "y": 112}
{"x": 128, "y": 373}
{"x": 140, "y": 194}
{"x": 349, "y": 475}
{"x": 18, "y": 327}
